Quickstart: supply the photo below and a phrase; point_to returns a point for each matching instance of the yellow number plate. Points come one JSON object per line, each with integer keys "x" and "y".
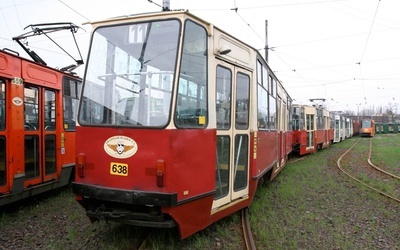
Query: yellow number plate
{"x": 119, "y": 169}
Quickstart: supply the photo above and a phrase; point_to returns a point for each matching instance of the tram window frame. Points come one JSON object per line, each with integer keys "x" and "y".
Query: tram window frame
{"x": 243, "y": 92}
{"x": 240, "y": 177}
{"x": 262, "y": 113}
{"x": 259, "y": 72}
{"x": 289, "y": 113}
{"x": 191, "y": 111}
{"x": 3, "y": 171}
{"x": 31, "y": 108}
{"x": 272, "y": 104}
{"x": 296, "y": 118}
{"x": 223, "y": 98}
{"x": 71, "y": 91}
{"x": 268, "y": 84}
{"x": 302, "y": 119}
{"x": 120, "y": 86}
{"x": 262, "y": 98}
{"x": 271, "y": 85}
{"x": 2, "y": 104}
{"x": 50, "y": 110}
{"x": 222, "y": 175}
{"x": 272, "y": 114}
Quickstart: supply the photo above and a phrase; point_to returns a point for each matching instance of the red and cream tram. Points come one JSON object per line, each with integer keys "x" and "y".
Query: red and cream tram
{"x": 323, "y": 121}
{"x": 311, "y": 129}
{"x": 178, "y": 123}
{"x": 38, "y": 107}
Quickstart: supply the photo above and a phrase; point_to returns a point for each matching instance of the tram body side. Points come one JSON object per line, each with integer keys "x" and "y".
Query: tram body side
{"x": 37, "y": 128}
{"x": 195, "y": 166}
{"x": 323, "y": 126}
{"x": 356, "y": 127}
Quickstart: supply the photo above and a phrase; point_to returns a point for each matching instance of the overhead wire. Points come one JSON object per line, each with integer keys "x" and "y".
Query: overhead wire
{"x": 365, "y": 48}
{"x": 19, "y": 19}
{"x": 370, "y": 31}
{"x": 5, "y": 20}
{"x": 74, "y": 10}
{"x": 236, "y": 9}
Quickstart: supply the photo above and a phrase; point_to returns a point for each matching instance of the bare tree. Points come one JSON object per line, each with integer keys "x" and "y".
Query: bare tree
{"x": 391, "y": 111}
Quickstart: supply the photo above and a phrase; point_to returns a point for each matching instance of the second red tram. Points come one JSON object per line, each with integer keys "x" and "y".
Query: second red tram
{"x": 38, "y": 106}
{"x": 178, "y": 123}
{"x": 311, "y": 129}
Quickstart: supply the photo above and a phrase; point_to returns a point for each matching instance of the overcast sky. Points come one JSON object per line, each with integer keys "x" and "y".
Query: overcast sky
{"x": 345, "y": 51}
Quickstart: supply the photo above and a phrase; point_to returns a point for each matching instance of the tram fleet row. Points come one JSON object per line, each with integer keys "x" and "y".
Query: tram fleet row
{"x": 178, "y": 123}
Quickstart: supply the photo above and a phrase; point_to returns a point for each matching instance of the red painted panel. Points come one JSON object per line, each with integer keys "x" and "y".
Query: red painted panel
{"x": 190, "y": 157}
{"x": 267, "y": 150}
{"x": 319, "y": 137}
{"x": 303, "y": 143}
{"x": 289, "y": 140}
{"x": 196, "y": 215}
{"x": 296, "y": 138}
{"x": 10, "y": 65}
{"x": 3, "y": 62}
{"x": 331, "y": 134}
{"x": 40, "y": 75}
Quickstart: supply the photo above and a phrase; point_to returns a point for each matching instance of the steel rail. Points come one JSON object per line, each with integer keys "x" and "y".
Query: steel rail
{"x": 248, "y": 236}
{"x": 358, "y": 180}
{"x": 376, "y": 167}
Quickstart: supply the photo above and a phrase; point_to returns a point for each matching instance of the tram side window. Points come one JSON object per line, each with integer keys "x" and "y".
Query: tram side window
{"x": 262, "y": 96}
{"x": 222, "y": 169}
{"x": 259, "y": 72}
{"x": 50, "y": 154}
{"x": 2, "y": 161}
{"x": 50, "y": 110}
{"x": 2, "y": 138}
{"x": 302, "y": 122}
{"x": 283, "y": 116}
{"x": 241, "y": 162}
{"x": 91, "y": 110}
{"x": 2, "y": 105}
{"x": 242, "y": 101}
{"x": 320, "y": 119}
{"x": 272, "y": 112}
{"x": 223, "y": 97}
{"x": 31, "y": 112}
{"x": 262, "y": 108}
{"x": 296, "y": 118}
{"x": 289, "y": 112}
{"x": 71, "y": 90}
{"x": 191, "y": 110}
{"x": 272, "y": 117}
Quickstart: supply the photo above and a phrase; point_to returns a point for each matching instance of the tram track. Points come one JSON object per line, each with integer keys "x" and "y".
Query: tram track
{"x": 248, "y": 236}
{"x": 352, "y": 175}
{"x": 376, "y": 167}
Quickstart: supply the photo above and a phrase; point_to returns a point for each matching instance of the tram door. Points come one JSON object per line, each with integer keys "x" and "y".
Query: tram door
{"x": 232, "y": 116}
{"x": 310, "y": 127}
{"x": 39, "y": 134}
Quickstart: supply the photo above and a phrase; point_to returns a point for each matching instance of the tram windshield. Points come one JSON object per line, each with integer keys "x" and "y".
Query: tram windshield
{"x": 129, "y": 76}
{"x": 366, "y": 123}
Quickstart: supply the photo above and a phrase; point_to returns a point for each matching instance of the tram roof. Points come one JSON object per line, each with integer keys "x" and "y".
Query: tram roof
{"x": 154, "y": 15}
{"x": 172, "y": 13}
